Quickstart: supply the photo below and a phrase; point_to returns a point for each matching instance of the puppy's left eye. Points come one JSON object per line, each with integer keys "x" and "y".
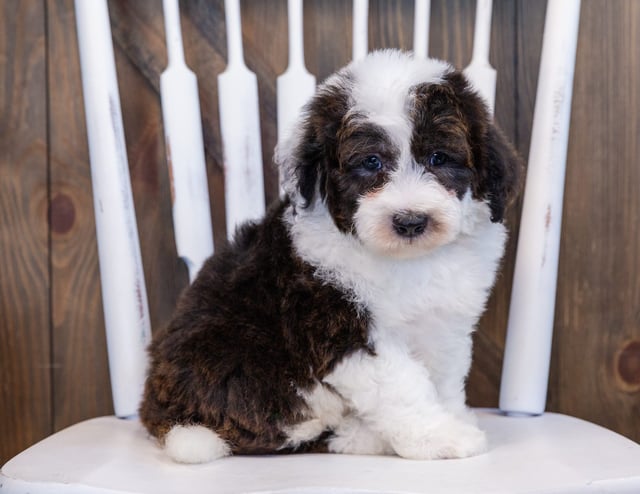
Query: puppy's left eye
{"x": 371, "y": 164}
{"x": 439, "y": 158}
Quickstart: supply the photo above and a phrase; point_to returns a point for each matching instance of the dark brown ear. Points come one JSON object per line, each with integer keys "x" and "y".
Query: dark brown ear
{"x": 304, "y": 160}
{"x": 503, "y": 169}
{"x": 497, "y": 165}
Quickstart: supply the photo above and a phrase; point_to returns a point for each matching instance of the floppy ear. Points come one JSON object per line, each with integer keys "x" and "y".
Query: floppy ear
{"x": 299, "y": 159}
{"x": 497, "y": 163}
{"x": 503, "y": 169}
{"x": 307, "y": 154}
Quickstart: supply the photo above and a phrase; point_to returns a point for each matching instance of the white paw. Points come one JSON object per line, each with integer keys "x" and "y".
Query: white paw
{"x": 194, "y": 444}
{"x": 449, "y": 438}
{"x": 353, "y": 437}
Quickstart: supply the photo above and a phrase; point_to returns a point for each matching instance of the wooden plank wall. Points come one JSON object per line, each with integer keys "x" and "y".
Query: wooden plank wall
{"x": 25, "y": 278}
{"x": 53, "y": 365}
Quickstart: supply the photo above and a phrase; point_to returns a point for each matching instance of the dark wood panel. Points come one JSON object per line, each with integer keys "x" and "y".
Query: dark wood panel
{"x": 530, "y": 17}
{"x": 451, "y": 31}
{"x": 25, "y": 365}
{"x": 391, "y": 24}
{"x": 80, "y": 374}
{"x": 328, "y": 36}
{"x": 596, "y": 357}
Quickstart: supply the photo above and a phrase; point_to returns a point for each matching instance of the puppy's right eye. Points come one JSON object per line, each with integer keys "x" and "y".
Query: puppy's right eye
{"x": 371, "y": 164}
{"x": 438, "y": 159}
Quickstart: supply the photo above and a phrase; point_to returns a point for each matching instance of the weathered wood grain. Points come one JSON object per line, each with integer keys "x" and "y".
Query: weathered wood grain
{"x": 327, "y": 36}
{"x": 596, "y": 356}
{"x": 25, "y": 387}
{"x": 390, "y": 24}
{"x": 80, "y": 373}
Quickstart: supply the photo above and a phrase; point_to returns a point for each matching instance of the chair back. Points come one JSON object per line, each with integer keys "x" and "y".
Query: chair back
{"x": 526, "y": 361}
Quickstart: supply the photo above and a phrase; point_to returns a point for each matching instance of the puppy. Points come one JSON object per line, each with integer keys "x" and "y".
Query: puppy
{"x": 342, "y": 321}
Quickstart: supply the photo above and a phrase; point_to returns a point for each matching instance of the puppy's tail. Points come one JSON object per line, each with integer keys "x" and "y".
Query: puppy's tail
{"x": 194, "y": 444}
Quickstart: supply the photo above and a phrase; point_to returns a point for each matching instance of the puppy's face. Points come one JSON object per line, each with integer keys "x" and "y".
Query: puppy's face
{"x": 402, "y": 153}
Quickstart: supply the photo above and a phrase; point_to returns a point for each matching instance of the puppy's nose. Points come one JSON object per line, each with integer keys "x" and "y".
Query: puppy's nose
{"x": 410, "y": 224}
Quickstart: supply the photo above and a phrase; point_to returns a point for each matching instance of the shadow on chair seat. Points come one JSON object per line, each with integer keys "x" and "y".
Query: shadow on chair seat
{"x": 547, "y": 454}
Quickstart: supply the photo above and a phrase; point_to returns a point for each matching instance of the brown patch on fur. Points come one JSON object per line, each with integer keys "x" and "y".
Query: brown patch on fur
{"x": 334, "y": 145}
{"x": 254, "y": 328}
{"x": 451, "y": 118}
{"x": 318, "y": 146}
{"x": 349, "y": 180}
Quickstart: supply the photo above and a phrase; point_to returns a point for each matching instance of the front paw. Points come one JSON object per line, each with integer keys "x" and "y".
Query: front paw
{"x": 448, "y": 438}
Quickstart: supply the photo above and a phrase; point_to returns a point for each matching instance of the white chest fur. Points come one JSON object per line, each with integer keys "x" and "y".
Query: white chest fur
{"x": 444, "y": 290}
{"x": 423, "y": 311}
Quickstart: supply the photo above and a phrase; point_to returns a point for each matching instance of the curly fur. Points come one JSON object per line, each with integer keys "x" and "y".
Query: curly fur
{"x": 342, "y": 322}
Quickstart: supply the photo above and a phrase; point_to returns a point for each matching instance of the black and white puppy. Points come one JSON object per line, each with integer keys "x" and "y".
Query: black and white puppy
{"x": 342, "y": 322}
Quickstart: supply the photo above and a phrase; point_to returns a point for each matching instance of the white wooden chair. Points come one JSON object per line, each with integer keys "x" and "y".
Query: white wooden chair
{"x": 530, "y": 451}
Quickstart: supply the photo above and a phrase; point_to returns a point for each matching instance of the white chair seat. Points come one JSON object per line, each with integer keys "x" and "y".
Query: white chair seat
{"x": 547, "y": 454}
